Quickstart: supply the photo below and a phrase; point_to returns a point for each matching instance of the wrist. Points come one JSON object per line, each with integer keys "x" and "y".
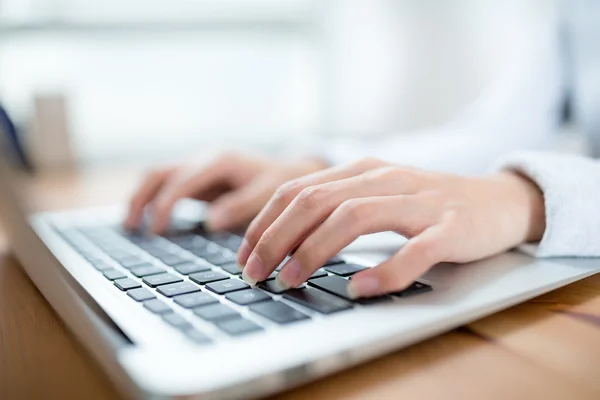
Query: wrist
{"x": 530, "y": 200}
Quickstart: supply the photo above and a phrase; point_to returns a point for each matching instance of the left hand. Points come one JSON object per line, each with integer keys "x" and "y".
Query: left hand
{"x": 446, "y": 218}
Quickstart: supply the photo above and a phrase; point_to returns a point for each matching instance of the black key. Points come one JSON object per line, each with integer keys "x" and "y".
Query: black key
{"x": 250, "y": 296}
{"x": 278, "y": 312}
{"x": 190, "y": 241}
{"x": 333, "y": 261}
{"x": 216, "y": 312}
{"x": 161, "y": 279}
{"x": 272, "y": 286}
{"x": 193, "y": 300}
{"x": 271, "y": 276}
{"x": 238, "y": 326}
{"x": 231, "y": 268}
{"x": 140, "y": 294}
{"x": 374, "y": 300}
{"x": 332, "y": 284}
{"x": 197, "y": 336}
{"x": 113, "y": 274}
{"x": 415, "y": 288}
{"x": 172, "y": 259}
{"x": 175, "y": 289}
{"x": 220, "y": 258}
{"x": 146, "y": 270}
{"x": 190, "y": 268}
{"x": 227, "y": 240}
{"x": 317, "y": 300}
{"x": 126, "y": 284}
{"x": 157, "y": 251}
{"x": 208, "y": 276}
{"x": 205, "y": 251}
{"x": 318, "y": 274}
{"x": 226, "y": 286}
{"x": 101, "y": 265}
{"x": 157, "y": 306}
{"x": 177, "y": 321}
{"x": 344, "y": 269}
{"x": 131, "y": 262}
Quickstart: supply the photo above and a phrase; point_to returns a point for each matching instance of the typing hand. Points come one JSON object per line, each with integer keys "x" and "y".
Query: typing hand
{"x": 446, "y": 218}
{"x": 237, "y": 185}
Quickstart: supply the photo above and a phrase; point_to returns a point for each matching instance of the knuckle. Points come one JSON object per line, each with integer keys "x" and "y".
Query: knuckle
{"x": 355, "y": 212}
{"x": 285, "y": 193}
{"x": 311, "y": 197}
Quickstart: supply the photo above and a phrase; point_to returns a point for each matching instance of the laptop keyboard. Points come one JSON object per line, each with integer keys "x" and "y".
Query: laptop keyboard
{"x": 190, "y": 280}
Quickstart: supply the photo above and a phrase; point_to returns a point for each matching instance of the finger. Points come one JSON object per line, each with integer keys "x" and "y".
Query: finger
{"x": 286, "y": 193}
{"x": 352, "y": 219}
{"x": 417, "y": 256}
{"x": 185, "y": 183}
{"x": 235, "y": 209}
{"x": 313, "y": 205}
{"x": 144, "y": 195}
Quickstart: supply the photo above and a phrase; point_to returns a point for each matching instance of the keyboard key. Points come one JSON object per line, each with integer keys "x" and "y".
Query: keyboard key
{"x": 175, "y": 289}
{"x": 271, "y": 276}
{"x": 101, "y": 265}
{"x": 231, "y": 268}
{"x": 157, "y": 306}
{"x": 374, "y": 300}
{"x": 317, "y": 300}
{"x": 415, "y": 288}
{"x": 157, "y": 251}
{"x": 190, "y": 268}
{"x": 193, "y": 300}
{"x": 246, "y": 297}
{"x": 197, "y": 337}
{"x": 220, "y": 258}
{"x": 189, "y": 241}
{"x": 177, "y": 321}
{"x": 333, "y": 261}
{"x": 272, "y": 287}
{"x": 131, "y": 262}
{"x": 146, "y": 270}
{"x": 238, "y": 326}
{"x": 226, "y": 286}
{"x": 216, "y": 312}
{"x": 278, "y": 312}
{"x": 140, "y": 294}
{"x": 318, "y": 274}
{"x": 113, "y": 274}
{"x": 126, "y": 284}
{"x": 208, "y": 276}
{"x": 205, "y": 251}
{"x": 172, "y": 259}
{"x": 332, "y": 284}
{"x": 162, "y": 279}
{"x": 344, "y": 269}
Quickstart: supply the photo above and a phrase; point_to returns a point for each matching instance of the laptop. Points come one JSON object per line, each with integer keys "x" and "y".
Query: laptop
{"x": 169, "y": 317}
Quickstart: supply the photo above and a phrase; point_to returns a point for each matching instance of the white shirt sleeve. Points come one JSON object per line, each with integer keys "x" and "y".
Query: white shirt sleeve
{"x": 519, "y": 110}
{"x": 571, "y": 187}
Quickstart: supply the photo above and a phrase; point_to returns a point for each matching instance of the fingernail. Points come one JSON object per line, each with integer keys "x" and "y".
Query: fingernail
{"x": 289, "y": 274}
{"x": 243, "y": 254}
{"x": 363, "y": 287}
{"x": 253, "y": 271}
{"x": 217, "y": 219}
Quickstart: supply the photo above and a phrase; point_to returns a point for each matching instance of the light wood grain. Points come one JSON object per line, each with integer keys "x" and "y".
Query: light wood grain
{"x": 547, "y": 348}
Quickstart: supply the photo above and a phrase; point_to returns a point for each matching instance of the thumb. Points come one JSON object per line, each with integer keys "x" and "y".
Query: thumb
{"x": 237, "y": 208}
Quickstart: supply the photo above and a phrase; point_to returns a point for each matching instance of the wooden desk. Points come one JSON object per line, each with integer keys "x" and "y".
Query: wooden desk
{"x": 546, "y": 348}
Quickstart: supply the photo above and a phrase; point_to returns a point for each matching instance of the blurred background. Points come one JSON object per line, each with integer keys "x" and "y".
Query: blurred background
{"x": 137, "y": 81}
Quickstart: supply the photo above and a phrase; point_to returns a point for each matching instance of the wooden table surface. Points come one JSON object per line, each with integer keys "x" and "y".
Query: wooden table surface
{"x": 546, "y": 348}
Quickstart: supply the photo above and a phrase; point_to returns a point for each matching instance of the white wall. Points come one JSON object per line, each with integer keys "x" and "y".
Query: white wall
{"x": 342, "y": 67}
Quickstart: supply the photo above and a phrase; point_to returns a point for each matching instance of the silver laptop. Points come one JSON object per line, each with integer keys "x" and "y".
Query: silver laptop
{"x": 169, "y": 317}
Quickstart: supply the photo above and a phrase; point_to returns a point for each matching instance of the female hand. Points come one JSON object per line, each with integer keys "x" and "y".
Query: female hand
{"x": 237, "y": 185}
{"x": 446, "y": 218}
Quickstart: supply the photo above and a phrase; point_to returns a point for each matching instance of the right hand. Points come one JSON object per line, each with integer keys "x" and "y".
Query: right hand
{"x": 237, "y": 186}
